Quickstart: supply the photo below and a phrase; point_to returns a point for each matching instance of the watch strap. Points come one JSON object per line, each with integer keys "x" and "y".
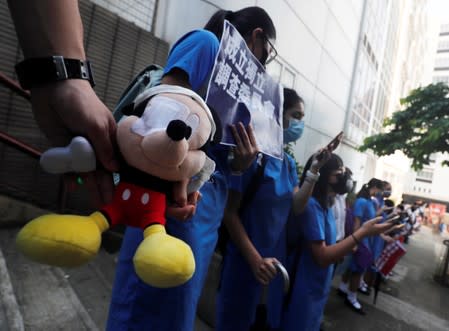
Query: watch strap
{"x": 34, "y": 72}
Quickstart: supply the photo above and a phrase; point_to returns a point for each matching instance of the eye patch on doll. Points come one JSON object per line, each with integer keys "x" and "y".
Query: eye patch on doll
{"x": 167, "y": 110}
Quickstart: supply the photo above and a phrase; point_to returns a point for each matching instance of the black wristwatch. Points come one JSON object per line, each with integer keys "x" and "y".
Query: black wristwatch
{"x": 35, "y": 72}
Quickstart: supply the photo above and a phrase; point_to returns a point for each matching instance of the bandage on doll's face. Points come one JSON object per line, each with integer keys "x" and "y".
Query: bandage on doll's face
{"x": 165, "y": 140}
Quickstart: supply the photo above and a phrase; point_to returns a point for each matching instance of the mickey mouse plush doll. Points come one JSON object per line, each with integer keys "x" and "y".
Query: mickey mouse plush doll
{"x": 162, "y": 141}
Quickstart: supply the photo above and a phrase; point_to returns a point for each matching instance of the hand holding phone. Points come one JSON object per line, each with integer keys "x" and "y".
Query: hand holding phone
{"x": 332, "y": 146}
{"x": 396, "y": 219}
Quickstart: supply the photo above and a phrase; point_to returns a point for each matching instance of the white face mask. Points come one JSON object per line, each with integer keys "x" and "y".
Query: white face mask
{"x": 167, "y": 111}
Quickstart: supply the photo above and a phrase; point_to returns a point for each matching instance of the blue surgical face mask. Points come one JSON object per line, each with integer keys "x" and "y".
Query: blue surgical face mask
{"x": 294, "y": 130}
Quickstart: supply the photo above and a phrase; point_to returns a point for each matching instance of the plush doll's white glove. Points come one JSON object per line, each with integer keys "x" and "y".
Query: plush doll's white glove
{"x": 78, "y": 156}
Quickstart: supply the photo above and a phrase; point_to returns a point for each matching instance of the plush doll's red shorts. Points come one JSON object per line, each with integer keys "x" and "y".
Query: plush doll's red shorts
{"x": 135, "y": 206}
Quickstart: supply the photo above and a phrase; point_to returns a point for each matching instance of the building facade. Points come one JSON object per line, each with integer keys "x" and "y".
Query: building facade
{"x": 341, "y": 56}
{"x": 412, "y": 69}
{"x": 351, "y": 61}
{"x": 432, "y": 180}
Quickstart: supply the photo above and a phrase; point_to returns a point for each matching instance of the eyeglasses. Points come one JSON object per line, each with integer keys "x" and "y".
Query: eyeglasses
{"x": 272, "y": 52}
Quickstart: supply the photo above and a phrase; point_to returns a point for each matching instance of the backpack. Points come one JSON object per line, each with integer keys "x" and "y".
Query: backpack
{"x": 149, "y": 77}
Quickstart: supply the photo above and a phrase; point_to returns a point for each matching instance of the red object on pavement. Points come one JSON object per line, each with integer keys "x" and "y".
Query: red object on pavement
{"x": 437, "y": 209}
{"x": 390, "y": 256}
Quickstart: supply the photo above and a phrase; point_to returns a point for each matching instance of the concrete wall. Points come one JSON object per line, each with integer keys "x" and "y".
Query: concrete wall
{"x": 118, "y": 50}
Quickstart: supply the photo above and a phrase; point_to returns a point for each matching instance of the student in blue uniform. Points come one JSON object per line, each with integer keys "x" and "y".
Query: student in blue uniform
{"x": 135, "y": 305}
{"x": 377, "y": 243}
{"x": 364, "y": 210}
{"x": 312, "y": 236}
{"x": 257, "y": 231}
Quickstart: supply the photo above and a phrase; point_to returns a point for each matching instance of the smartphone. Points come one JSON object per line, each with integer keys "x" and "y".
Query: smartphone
{"x": 332, "y": 146}
{"x": 395, "y": 219}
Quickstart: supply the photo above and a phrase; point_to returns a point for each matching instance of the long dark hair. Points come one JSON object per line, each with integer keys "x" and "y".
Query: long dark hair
{"x": 364, "y": 191}
{"x": 245, "y": 21}
{"x": 291, "y": 98}
{"x": 321, "y": 189}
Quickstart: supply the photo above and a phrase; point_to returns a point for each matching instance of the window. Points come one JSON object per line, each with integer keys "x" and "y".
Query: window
{"x": 444, "y": 28}
{"x": 425, "y": 175}
{"x": 282, "y": 73}
{"x": 442, "y": 63}
{"x": 274, "y": 69}
{"x": 441, "y": 79}
{"x": 443, "y": 45}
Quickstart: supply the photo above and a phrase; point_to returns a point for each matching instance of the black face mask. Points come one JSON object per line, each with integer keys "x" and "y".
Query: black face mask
{"x": 344, "y": 184}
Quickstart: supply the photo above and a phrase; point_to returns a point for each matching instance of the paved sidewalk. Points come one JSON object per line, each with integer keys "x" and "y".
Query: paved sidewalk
{"x": 33, "y": 295}
{"x": 410, "y": 300}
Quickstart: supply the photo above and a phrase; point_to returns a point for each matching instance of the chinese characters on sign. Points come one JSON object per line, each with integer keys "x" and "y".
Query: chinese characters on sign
{"x": 241, "y": 91}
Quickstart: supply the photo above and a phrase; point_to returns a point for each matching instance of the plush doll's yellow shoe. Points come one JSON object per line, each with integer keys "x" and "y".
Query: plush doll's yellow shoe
{"x": 162, "y": 260}
{"x": 62, "y": 240}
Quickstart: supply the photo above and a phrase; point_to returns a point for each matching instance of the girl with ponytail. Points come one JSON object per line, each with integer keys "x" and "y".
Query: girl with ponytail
{"x": 362, "y": 258}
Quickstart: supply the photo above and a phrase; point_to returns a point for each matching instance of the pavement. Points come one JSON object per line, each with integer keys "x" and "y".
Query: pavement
{"x": 37, "y": 297}
{"x": 409, "y": 300}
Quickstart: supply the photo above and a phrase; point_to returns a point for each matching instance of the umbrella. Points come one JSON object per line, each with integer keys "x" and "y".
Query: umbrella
{"x": 377, "y": 282}
{"x": 260, "y": 321}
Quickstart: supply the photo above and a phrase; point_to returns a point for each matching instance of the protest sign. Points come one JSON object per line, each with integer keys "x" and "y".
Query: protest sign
{"x": 240, "y": 90}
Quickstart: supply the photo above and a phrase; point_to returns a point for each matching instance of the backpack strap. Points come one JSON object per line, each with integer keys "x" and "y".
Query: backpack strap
{"x": 254, "y": 184}
{"x": 248, "y": 196}
{"x": 147, "y": 78}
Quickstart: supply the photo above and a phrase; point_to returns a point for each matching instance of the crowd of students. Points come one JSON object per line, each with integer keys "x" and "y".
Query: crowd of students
{"x": 272, "y": 217}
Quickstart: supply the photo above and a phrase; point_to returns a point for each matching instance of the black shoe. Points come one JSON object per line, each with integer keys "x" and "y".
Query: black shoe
{"x": 364, "y": 290}
{"x": 341, "y": 293}
{"x": 357, "y": 310}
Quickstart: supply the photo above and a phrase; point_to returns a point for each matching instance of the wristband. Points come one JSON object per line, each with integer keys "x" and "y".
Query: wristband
{"x": 313, "y": 177}
{"x": 35, "y": 72}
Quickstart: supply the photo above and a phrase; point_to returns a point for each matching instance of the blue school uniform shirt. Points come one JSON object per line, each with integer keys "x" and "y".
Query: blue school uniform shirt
{"x": 264, "y": 220}
{"x": 311, "y": 283}
{"x": 364, "y": 209}
{"x": 134, "y": 304}
{"x": 194, "y": 54}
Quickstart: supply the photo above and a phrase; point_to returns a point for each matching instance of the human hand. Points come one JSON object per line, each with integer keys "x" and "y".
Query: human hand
{"x": 185, "y": 212}
{"x": 264, "y": 269}
{"x": 246, "y": 149}
{"x": 372, "y": 227}
{"x": 71, "y": 107}
{"x": 68, "y": 108}
{"x": 388, "y": 239}
{"x": 319, "y": 159}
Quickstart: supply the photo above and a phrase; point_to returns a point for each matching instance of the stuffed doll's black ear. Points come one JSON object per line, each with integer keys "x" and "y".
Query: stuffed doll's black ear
{"x": 218, "y": 132}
